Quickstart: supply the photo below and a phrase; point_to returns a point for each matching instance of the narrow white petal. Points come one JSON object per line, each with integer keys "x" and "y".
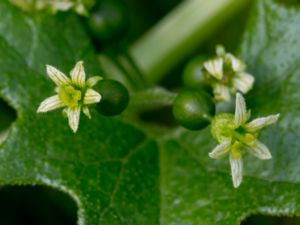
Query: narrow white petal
{"x": 221, "y": 92}
{"x": 58, "y": 77}
{"x": 215, "y": 68}
{"x": 91, "y": 97}
{"x": 50, "y": 103}
{"x": 243, "y": 82}
{"x": 220, "y": 150}
{"x": 62, "y": 6}
{"x": 73, "y": 116}
{"x": 236, "y": 64}
{"x": 86, "y": 112}
{"x": 39, "y": 5}
{"x": 260, "y": 151}
{"x": 261, "y": 122}
{"x": 81, "y": 10}
{"x": 78, "y": 74}
{"x": 93, "y": 80}
{"x": 240, "y": 115}
{"x": 236, "y": 171}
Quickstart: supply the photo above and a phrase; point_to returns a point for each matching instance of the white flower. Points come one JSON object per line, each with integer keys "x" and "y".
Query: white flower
{"x": 242, "y": 82}
{"x": 215, "y": 68}
{"x": 75, "y": 93}
{"x": 236, "y": 64}
{"x": 234, "y": 134}
{"x": 79, "y": 6}
{"x": 226, "y": 74}
{"x": 221, "y": 92}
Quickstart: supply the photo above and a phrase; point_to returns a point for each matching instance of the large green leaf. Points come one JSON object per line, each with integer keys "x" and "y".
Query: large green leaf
{"x": 197, "y": 190}
{"x": 115, "y": 172}
{"x": 109, "y": 168}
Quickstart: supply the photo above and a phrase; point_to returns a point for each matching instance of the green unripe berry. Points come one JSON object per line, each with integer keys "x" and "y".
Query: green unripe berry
{"x": 108, "y": 19}
{"x": 193, "y": 76}
{"x": 193, "y": 109}
{"x": 114, "y": 99}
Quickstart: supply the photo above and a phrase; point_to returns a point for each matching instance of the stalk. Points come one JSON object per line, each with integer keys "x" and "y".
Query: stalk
{"x": 179, "y": 33}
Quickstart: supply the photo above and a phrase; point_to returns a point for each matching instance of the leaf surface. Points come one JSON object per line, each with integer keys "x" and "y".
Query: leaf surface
{"x": 114, "y": 171}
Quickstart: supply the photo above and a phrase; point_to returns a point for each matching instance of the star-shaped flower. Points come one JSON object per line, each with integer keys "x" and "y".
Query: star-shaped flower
{"x": 226, "y": 74}
{"x": 74, "y": 94}
{"x": 235, "y": 134}
{"x": 79, "y": 6}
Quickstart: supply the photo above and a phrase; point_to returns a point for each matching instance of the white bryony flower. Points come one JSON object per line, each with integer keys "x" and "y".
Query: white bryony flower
{"x": 79, "y": 6}
{"x": 236, "y": 134}
{"x": 74, "y": 94}
{"x": 226, "y": 74}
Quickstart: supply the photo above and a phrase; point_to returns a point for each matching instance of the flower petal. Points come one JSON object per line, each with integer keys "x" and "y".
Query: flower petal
{"x": 261, "y": 122}
{"x": 93, "y": 80}
{"x": 215, "y": 68}
{"x": 58, "y": 77}
{"x": 91, "y": 97}
{"x": 73, "y": 116}
{"x": 220, "y": 150}
{"x": 78, "y": 74}
{"x": 236, "y": 170}
{"x": 243, "y": 82}
{"x": 81, "y": 9}
{"x": 260, "y": 151}
{"x": 221, "y": 92}
{"x": 60, "y": 5}
{"x": 86, "y": 112}
{"x": 236, "y": 64}
{"x": 50, "y": 103}
{"x": 240, "y": 115}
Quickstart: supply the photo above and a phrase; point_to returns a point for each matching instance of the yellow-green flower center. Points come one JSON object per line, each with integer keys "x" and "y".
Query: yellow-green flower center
{"x": 235, "y": 150}
{"x": 223, "y": 128}
{"x": 70, "y": 95}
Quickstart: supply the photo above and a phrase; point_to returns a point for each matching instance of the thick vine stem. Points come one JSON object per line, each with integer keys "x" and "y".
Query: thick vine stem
{"x": 151, "y": 98}
{"x": 179, "y": 33}
{"x": 148, "y": 99}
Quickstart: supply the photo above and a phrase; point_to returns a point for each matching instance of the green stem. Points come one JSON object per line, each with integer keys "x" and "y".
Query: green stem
{"x": 179, "y": 33}
{"x": 123, "y": 60}
{"x": 135, "y": 67}
{"x": 151, "y": 98}
{"x": 118, "y": 63}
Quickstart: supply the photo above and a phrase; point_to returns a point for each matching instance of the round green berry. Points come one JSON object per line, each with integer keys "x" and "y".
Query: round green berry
{"x": 193, "y": 109}
{"x": 193, "y": 76}
{"x": 115, "y": 97}
{"x": 108, "y": 19}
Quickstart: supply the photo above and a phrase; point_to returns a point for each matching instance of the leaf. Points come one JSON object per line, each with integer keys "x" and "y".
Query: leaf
{"x": 271, "y": 49}
{"x": 115, "y": 172}
{"x": 109, "y": 168}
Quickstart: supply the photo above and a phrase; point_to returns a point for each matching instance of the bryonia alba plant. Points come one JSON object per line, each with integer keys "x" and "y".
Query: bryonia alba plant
{"x": 237, "y": 135}
{"x": 139, "y": 167}
{"x": 74, "y": 94}
{"x": 226, "y": 74}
